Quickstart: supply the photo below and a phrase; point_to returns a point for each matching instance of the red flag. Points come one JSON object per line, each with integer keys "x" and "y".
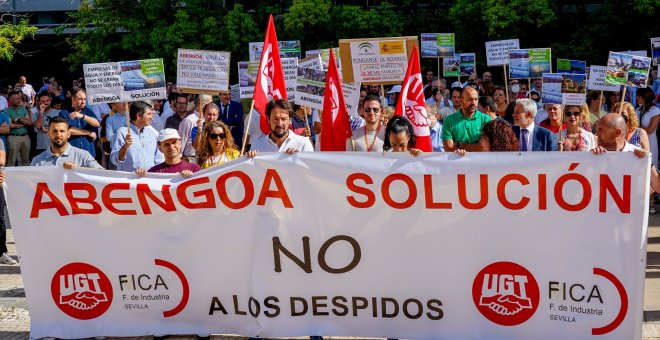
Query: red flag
{"x": 270, "y": 77}
{"x": 335, "y": 126}
{"x": 411, "y": 102}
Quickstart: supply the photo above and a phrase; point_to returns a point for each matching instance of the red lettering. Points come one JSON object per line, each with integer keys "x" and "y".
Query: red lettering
{"x": 385, "y": 191}
{"x": 559, "y": 192}
{"x": 38, "y": 204}
{"x": 543, "y": 192}
{"x": 621, "y": 201}
{"x": 143, "y": 191}
{"x": 209, "y": 201}
{"x": 428, "y": 195}
{"x": 370, "y": 196}
{"x": 501, "y": 191}
{"x": 221, "y": 185}
{"x": 75, "y": 202}
{"x": 273, "y": 176}
{"x": 483, "y": 189}
{"x": 110, "y": 202}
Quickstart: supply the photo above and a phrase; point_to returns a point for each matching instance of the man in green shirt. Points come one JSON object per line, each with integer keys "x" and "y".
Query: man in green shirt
{"x": 18, "y": 142}
{"x": 462, "y": 130}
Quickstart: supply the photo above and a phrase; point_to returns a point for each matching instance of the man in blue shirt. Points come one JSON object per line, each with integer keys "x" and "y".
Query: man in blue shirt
{"x": 83, "y": 124}
{"x": 129, "y": 155}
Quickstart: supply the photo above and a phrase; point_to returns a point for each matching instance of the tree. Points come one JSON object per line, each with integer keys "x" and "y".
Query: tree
{"x": 12, "y": 35}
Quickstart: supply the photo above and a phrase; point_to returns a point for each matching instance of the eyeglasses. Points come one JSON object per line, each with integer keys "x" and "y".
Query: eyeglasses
{"x": 574, "y": 114}
{"x": 369, "y": 109}
{"x": 216, "y": 135}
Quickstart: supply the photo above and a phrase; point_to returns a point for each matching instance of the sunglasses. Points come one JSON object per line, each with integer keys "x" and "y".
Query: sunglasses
{"x": 574, "y": 114}
{"x": 216, "y": 135}
{"x": 369, "y": 109}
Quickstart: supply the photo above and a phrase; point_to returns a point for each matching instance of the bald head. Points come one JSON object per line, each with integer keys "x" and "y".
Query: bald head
{"x": 470, "y": 99}
{"x": 611, "y": 131}
{"x": 614, "y": 120}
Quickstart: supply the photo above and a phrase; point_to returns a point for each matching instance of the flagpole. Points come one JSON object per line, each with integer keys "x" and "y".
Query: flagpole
{"x": 623, "y": 98}
{"x": 506, "y": 84}
{"x": 382, "y": 94}
{"x": 128, "y": 119}
{"x": 247, "y": 127}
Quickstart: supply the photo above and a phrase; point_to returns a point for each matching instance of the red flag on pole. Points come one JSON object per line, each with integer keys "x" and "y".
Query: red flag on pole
{"x": 270, "y": 78}
{"x": 411, "y": 102}
{"x": 335, "y": 126}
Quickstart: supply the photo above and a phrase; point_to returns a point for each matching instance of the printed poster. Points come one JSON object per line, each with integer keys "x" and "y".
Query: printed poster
{"x": 125, "y": 81}
{"x": 627, "y": 69}
{"x": 564, "y": 88}
{"x": 202, "y": 71}
{"x": 571, "y": 66}
{"x": 438, "y": 45}
{"x": 288, "y": 49}
{"x": 377, "y": 61}
{"x": 529, "y": 63}
{"x": 497, "y": 52}
{"x": 597, "y": 79}
{"x": 311, "y": 86}
{"x": 247, "y": 77}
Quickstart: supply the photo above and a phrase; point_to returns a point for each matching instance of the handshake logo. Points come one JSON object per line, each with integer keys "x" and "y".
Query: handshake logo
{"x": 81, "y": 291}
{"x": 505, "y": 293}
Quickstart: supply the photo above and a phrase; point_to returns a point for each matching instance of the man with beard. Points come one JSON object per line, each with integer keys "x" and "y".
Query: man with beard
{"x": 462, "y": 130}
{"x": 61, "y": 152}
{"x": 371, "y": 136}
{"x": 280, "y": 139}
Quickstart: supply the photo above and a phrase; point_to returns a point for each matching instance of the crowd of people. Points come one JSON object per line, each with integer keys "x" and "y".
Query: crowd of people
{"x": 56, "y": 127}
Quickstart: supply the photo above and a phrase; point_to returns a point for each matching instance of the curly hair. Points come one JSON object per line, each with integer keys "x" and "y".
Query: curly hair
{"x": 395, "y": 126}
{"x": 632, "y": 121}
{"x": 500, "y": 136}
{"x": 204, "y": 152}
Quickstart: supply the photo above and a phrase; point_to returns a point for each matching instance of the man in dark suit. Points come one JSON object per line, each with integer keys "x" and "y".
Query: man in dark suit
{"x": 231, "y": 113}
{"x": 531, "y": 137}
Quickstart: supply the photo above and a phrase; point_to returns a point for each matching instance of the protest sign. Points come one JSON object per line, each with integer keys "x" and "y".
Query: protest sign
{"x": 529, "y": 63}
{"x": 451, "y": 67}
{"x": 375, "y": 60}
{"x": 310, "y": 87}
{"x": 233, "y": 249}
{"x": 627, "y": 69}
{"x": 655, "y": 51}
{"x": 571, "y": 66}
{"x": 497, "y": 52}
{"x": 564, "y": 88}
{"x": 235, "y": 92}
{"x": 325, "y": 57}
{"x": 247, "y": 76}
{"x": 202, "y": 71}
{"x": 312, "y": 61}
{"x": 597, "y": 79}
{"x": 125, "y": 81}
{"x": 438, "y": 45}
{"x": 288, "y": 49}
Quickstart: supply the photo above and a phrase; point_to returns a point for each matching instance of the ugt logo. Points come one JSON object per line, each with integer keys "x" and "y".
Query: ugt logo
{"x": 81, "y": 291}
{"x": 505, "y": 293}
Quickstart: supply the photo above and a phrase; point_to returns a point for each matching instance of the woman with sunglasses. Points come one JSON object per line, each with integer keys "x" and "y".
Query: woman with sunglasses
{"x": 216, "y": 145}
{"x": 576, "y": 137}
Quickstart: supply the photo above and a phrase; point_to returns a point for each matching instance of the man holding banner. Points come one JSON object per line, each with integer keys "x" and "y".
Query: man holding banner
{"x": 280, "y": 138}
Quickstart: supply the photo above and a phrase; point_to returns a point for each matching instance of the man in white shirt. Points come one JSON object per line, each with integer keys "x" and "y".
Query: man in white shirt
{"x": 27, "y": 89}
{"x": 280, "y": 138}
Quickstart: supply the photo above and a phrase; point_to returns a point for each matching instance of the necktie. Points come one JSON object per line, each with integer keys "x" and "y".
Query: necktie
{"x": 523, "y": 139}
{"x": 224, "y": 108}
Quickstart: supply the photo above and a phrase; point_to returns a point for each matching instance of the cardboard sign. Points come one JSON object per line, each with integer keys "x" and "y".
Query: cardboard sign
{"x": 627, "y": 69}
{"x": 202, "y": 71}
{"x": 438, "y": 45}
{"x": 529, "y": 63}
{"x": 497, "y": 52}
{"x": 311, "y": 86}
{"x": 571, "y": 66}
{"x": 376, "y": 60}
{"x": 125, "y": 81}
{"x": 288, "y": 49}
{"x": 564, "y": 88}
{"x": 597, "y": 79}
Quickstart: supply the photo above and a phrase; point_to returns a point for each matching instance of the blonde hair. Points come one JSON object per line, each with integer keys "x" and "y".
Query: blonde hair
{"x": 633, "y": 121}
{"x": 388, "y": 112}
{"x": 204, "y": 151}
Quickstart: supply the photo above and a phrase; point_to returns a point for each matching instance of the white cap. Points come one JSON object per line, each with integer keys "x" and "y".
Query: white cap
{"x": 395, "y": 89}
{"x": 166, "y": 134}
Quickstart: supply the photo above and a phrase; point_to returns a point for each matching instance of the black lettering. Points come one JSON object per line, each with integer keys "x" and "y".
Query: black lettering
{"x": 341, "y": 306}
{"x": 272, "y": 305}
{"x": 420, "y": 309}
{"x": 434, "y": 305}
{"x": 216, "y": 305}
{"x": 295, "y": 299}
{"x": 316, "y": 304}
{"x": 236, "y": 310}
{"x": 359, "y": 303}
{"x": 383, "y": 306}
{"x": 278, "y": 247}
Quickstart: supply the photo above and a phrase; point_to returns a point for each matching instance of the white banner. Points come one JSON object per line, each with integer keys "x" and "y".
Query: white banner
{"x": 345, "y": 244}
{"x": 202, "y": 71}
{"x": 597, "y": 79}
{"x": 125, "y": 81}
{"x": 497, "y": 52}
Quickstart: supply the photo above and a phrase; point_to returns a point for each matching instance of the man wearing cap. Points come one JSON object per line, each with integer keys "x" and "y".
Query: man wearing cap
{"x": 169, "y": 143}
{"x": 143, "y": 153}
{"x": 280, "y": 139}
{"x": 231, "y": 113}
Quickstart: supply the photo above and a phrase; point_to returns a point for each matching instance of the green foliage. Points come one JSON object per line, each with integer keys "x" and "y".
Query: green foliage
{"x": 12, "y": 35}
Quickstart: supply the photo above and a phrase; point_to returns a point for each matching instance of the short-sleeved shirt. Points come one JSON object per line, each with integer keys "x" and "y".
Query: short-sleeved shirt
{"x": 465, "y": 130}
{"x": 165, "y": 168}
{"x": 82, "y": 142}
{"x": 4, "y": 119}
{"x": 13, "y": 114}
{"x": 71, "y": 154}
{"x": 300, "y": 143}
{"x": 43, "y": 141}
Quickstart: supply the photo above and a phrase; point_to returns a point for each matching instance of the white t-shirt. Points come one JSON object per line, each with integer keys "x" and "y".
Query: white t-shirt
{"x": 300, "y": 143}
{"x": 3, "y": 103}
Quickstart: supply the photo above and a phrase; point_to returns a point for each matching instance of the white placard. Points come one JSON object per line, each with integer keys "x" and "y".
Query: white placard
{"x": 597, "y": 79}
{"x": 379, "y": 60}
{"x": 497, "y": 52}
{"x": 202, "y": 71}
{"x": 125, "y": 81}
{"x": 247, "y": 77}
